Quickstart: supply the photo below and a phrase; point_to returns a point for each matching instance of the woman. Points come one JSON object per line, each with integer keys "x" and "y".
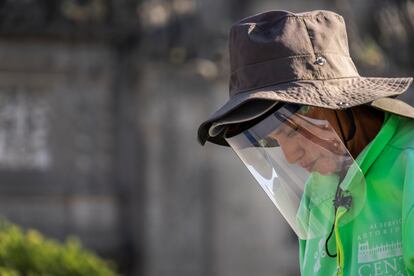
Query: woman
{"x": 333, "y": 150}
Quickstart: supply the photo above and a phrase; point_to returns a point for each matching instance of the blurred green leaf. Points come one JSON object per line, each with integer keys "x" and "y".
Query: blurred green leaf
{"x": 29, "y": 253}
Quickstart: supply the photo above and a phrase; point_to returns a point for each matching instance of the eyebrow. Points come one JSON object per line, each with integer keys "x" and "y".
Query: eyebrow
{"x": 286, "y": 122}
{"x": 327, "y": 144}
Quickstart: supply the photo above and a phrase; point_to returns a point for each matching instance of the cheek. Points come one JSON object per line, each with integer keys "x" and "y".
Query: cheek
{"x": 327, "y": 164}
{"x": 287, "y": 145}
{"x": 312, "y": 150}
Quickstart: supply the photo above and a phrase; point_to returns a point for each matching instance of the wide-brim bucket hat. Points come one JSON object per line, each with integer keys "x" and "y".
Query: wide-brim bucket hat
{"x": 303, "y": 58}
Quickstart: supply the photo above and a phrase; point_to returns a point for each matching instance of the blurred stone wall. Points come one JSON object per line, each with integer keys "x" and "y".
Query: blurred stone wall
{"x": 99, "y": 105}
{"x": 57, "y": 140}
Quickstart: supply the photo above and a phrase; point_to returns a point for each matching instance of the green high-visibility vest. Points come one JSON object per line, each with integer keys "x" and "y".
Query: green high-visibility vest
{"x": 380, "y": 239}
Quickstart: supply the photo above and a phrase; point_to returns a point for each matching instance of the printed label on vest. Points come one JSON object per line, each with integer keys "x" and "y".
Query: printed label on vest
{"x": 380, "y": 249}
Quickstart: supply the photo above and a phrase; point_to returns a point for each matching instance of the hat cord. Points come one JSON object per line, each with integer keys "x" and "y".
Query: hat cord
{"x": 329, "y": 237}
{"x": 340, "y": 200}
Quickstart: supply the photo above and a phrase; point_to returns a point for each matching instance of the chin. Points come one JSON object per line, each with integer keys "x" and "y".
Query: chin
{"x": 324, "y": 170}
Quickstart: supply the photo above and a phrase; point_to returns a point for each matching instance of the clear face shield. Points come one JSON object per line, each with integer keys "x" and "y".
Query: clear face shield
{"x": 304, "y": 168}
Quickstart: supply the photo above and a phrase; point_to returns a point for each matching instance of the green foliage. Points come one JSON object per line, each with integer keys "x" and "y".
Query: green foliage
{"x": 28, "y": 253}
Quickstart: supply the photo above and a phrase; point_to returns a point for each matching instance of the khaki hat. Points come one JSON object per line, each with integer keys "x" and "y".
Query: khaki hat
{"x": 303, "y": 58}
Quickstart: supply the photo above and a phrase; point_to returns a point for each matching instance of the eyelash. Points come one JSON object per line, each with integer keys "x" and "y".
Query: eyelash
{"x": 293, "y": 131}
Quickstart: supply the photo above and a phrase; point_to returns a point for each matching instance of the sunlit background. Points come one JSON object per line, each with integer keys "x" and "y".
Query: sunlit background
{"x": 100, "y": 101}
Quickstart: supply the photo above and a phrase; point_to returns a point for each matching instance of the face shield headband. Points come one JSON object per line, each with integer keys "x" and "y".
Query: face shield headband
{"x": 303, "y": 166}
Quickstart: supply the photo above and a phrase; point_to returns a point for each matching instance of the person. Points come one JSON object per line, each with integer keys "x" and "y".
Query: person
{"x": 333, "y": 150}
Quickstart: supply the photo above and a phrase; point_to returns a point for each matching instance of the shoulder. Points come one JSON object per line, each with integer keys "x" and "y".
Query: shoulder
{"x": 403, "y": 138}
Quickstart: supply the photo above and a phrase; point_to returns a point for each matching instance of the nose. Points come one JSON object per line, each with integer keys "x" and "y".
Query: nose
{"x": 292, "y": 150}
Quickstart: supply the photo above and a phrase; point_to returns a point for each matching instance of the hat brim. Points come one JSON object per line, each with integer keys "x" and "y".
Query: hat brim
{"x": 333, "y": 94}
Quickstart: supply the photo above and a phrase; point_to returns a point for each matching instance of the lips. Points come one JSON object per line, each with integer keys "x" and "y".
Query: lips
{"x": 308, "y": 165}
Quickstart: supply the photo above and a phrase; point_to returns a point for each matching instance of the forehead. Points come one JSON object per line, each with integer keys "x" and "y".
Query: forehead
{"x": 285, "y": 117}
{"x": 314, "y": 123}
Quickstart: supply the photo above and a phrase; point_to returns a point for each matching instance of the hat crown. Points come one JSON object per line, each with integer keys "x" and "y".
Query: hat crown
{"x": 303, "y": 58}
{"x": 280, "y": 46}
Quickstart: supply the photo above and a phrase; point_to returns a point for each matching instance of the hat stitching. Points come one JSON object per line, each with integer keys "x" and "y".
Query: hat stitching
{"x": 267, "y": 60}
{"x": 285, "y": 82}
{"x": 356, "y": 83}
{"x": 328, "y": 53}
{"x": 298, "y": 16}
{"x": 293, "y": 16}
{"x": 318, "y": 71}
{"x": 309, "y": 36}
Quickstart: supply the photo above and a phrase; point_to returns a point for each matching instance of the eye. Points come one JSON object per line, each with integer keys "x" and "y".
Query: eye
{"x": 268, "y": 142}
{"x": 293, "y": 130}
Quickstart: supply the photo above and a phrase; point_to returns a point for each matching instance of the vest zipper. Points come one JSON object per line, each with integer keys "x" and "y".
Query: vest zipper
{"x": 339, "y": 247}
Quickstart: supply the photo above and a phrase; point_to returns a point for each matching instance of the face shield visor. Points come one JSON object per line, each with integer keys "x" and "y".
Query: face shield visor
{"x": 304, "y": 168}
